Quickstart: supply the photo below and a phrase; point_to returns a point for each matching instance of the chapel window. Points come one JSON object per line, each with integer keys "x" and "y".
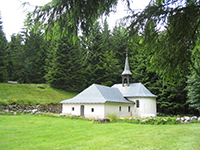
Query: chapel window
{"x": 120, "y": 108}
{"x": 137, "y": 103}
{"x": 129, "y": 108}
{"x": 92, "y": 110}
{"x": 72, "y": 108}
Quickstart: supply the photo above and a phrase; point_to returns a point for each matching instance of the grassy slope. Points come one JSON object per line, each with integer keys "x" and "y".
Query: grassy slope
{"x": 31, "y": 94}
{"x": 44, "y": 132}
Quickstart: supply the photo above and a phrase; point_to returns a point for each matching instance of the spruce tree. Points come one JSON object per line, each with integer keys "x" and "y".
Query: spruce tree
{"x": 193, "y": 82}
{"x": 15, "y": 57}
{"x": 92, "y": 60}
{"x": 101, "y": 64}
{"x": 171, "y": 47}
{"x": 64, "y": 65}
{"x": 194, "y": 91}
{"x": 119, "y": 42}
{"x": 35, "y": 54}
{"x": 3, "y": 54}
{"x": 171, "y": 95}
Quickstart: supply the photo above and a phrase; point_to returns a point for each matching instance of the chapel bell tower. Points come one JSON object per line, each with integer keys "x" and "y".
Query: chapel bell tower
{"x": 126, "y": 74}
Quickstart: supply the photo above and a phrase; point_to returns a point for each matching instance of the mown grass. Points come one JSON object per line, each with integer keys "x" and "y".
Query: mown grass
{"x": 31, "y": 94}
{"x": 45, "y": 132}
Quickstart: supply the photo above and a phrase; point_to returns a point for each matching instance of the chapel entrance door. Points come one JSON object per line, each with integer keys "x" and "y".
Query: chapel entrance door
{"x": 82, "y": 110}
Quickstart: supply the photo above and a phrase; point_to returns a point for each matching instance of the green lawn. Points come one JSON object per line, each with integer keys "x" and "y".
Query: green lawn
{"x": 45, "y": 132}
{"x": 31, "y": 94}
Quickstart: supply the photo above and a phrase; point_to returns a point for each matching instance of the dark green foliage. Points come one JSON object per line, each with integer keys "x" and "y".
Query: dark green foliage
{"x": 193, "y": 81}
{"x": 170, "y": 50}
{"x": 152, "y": 121}
{"x": 119, "y": 42}
{"x": 35, "y": 53}
{"x": 66, "y": 16}
{"x": 194, "y": 91}
{"x": 100, "y": 62}
{"x": 64, "y": 66}
{"x": 15, "y": 57}
{"x": 93, "y": 61}
{"x": 171, "y": 95}
{"x": 3, "y": 54}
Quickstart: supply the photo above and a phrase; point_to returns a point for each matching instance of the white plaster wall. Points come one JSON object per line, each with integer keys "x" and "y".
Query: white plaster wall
{"x": 98, "y": 111}
{"x": 67, "y": 109}
{"x": 114, "y": 108}
{"x": 147, "y": 107}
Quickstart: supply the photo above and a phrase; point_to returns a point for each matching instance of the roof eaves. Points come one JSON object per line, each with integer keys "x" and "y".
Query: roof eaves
{"x": 128, "y": 102}
{"x": 83, "y": 102}
{"x": 139, "y": 96}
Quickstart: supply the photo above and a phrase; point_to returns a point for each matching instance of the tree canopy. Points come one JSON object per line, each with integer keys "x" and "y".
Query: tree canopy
{"x": 67, "y": 16}
{"x": 171, "y": 27}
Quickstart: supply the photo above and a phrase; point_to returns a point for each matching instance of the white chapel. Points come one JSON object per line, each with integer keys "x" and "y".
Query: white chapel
{"x": 124, "y": 99}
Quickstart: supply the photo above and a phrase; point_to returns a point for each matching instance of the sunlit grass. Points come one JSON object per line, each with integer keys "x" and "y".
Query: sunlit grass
{"x": 45, "y": 132}
{"x": 31, "y": 94}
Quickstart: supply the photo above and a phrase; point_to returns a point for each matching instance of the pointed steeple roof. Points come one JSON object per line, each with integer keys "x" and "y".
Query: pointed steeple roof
{"x": 126, "y": 67}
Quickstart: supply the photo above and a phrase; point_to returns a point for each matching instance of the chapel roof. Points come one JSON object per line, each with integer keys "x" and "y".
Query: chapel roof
{"x": 134, "y": 90}
{"x": 98, "y": 94}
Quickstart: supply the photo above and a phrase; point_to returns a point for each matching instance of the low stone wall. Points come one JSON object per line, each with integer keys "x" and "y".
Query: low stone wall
{"x": 54, "y": 108}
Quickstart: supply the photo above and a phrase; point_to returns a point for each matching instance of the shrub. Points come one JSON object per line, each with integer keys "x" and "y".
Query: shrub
{"x": 105, "y": 120}
{"x": 4, "y": 102}
{"x": 132, "y": 120}
{"x": 151, "y": 120}
{"x": 113, "y": 117}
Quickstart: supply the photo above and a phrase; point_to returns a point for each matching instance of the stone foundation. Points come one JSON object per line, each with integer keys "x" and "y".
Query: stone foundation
{"x": 54, "y": 108}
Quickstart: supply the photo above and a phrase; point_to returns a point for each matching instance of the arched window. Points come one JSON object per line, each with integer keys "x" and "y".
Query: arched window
{"x": 137, "y": 103}
{"x": 125, "y": 81}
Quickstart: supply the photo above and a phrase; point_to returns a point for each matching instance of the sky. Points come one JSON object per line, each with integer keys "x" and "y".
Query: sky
{"x": 13, "y": 15}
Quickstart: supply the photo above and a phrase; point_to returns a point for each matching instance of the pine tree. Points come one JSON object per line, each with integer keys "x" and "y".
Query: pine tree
{"x": 35, "y": 54}
{"x": 68, "y": 16}
{"x": 172, "y": 47}
{"x": 93, "y": 55}
{"x": 119, "y": 42}
{"x": 64, "y": 65}
{"x": 193, "y": 81}
{"x": 171, "y": 95}
{"x": 101, "y": 64}
{"x": 15, "y": 57}
{"x": 194, "y": 91}
{"x": 3, "y": 54}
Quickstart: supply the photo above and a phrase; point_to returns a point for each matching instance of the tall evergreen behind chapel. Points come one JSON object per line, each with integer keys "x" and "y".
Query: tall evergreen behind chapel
{"x": 3, "y": 54}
